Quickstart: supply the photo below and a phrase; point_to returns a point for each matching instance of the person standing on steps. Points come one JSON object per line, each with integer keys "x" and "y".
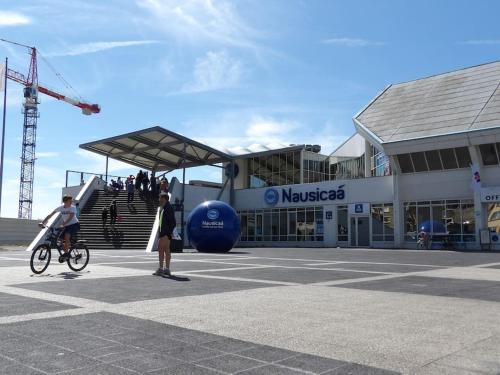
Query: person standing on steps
{"x": 104, "y": 216}
{"x": 145, "y": 184}
{"x": 113, "y": 213}
{"x": 138, "y": 180}
{"x": 166, "y": 228}
{"x": 130, "y": 192}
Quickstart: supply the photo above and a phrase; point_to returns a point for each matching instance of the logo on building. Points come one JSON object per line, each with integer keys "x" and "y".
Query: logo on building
{"x": 358, "y": 208}
{"x": 271, "y": 196}
{"x": 213, "y": 214}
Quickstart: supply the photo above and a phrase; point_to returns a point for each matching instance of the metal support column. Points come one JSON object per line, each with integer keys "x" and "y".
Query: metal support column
{"x": 3, "y": 131}
{"x": 231, "y": 186}
{"x": 183, "y": 190}
{"x": 107, "y": 159}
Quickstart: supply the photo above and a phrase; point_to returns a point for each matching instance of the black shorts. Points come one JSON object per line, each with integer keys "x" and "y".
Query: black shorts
{"x": 71, "y": 229}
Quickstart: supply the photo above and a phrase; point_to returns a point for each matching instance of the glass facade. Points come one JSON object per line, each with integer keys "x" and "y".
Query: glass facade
{"x": 490, "y": 153}
{"x": 282, "y": 224}
{"x": 455, "y": 216}
{"x": 274, "y": 170}
{"x": 379, "y": 163}
{"x": 494, "y": 217}
{"x": 437, "y": 160}
{"x": 382, "y": 222}
{"x": 315, "y": 167}
{"x": 348, "y": 169}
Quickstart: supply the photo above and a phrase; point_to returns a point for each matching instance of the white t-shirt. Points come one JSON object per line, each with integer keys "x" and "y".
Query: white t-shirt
{"x": 65, "y": 212}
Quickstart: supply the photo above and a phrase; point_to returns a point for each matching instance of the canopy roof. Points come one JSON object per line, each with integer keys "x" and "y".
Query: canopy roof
{"x": 160, "y": 149}
{"x": 157, "y": 149}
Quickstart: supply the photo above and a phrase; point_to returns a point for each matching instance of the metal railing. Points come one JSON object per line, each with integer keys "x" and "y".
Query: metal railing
{"x": 75, "y": 178}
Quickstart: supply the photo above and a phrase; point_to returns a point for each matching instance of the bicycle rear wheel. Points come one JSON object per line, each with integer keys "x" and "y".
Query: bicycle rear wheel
{"x": 40, "y": 259}
{"x": 78, "y": 257}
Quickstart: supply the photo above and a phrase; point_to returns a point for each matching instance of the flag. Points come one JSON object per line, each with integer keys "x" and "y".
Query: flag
{"x": 2, "y": 75}
{"x": 476, "y": 178}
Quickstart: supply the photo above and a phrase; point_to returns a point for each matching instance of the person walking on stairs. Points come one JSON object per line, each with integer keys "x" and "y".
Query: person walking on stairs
{"x": 113, "y": 213}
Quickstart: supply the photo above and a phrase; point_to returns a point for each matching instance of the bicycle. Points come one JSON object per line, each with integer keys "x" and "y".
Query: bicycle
{"x": 40, "y": 258}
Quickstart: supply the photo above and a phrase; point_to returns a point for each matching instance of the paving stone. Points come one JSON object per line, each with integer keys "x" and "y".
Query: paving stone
{"x": 185, "y": 369}
{"x": 229, "y": 345}
{"x": 267, "y": 353}
{"x": 108, "y": 350}
{"x": 139, "y": 288}
{"x": 295, "y": 275}
{"x": 195, "y": 337}
{"x": 19, "y": 369}
{"x": 378, "y": 267}
{"x": 4, "y": 362}
{"x": 272, "y": 370}
{"x": 230, "y": 363}
{"x": 144, "y": 361}
{"x": 101, "y": 369}
{"x": 355, "y": 369}
{"x": 434, "y": 286}
{"x": 57, "y": 362}
{"x": 311, "y": 363}
{"x": 18, "y": 305}
{"x": 193, "y": 353}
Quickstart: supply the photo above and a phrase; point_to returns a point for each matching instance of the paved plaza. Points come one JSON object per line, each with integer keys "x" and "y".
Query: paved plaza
{"x": 254, "y": 311}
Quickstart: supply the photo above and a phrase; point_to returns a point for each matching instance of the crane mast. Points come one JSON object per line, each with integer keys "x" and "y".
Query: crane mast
{"x": 31, "y": 115}
{"x": 30, "y": 112}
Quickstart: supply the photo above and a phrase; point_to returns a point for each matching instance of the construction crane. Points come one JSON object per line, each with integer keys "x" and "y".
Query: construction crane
{"x": 31, "y": 115}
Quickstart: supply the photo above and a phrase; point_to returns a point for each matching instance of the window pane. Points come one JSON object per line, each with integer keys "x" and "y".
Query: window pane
{"x": 448, "y": 158}
{"x": 283, "y": 223}
{"x": 433, "y": 160}
{"x": 423, "y": 215}
{"x": 494, "y": 217}
{"x": 438, "y": 215}
{"x": 419, "y": 163}
{"x": 405, "y": 163}
{"x": 388, "y": 222}
{"x": 342, "y": 223}
{"x": 488, "y": 154}
{"x": 377, "y": 221}
{"x": 410, "y": 222}
{"x": 463, "y": 157}
{"x": 468, "y": 222}
{"x": 453, "y": 218}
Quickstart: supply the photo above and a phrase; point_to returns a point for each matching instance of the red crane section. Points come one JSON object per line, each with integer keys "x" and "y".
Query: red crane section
{"x": 87, "y": 108}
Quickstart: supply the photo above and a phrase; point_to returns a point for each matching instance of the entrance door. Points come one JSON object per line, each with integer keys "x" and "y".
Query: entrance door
{"x": 360, "y": 231}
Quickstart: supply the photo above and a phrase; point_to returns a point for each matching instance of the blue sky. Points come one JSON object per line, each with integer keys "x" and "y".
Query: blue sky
{"x": 226, "y": 73}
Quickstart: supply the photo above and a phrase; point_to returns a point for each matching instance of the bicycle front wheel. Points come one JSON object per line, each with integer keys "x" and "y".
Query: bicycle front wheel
{"x": 40, "y": 259}
{"x": 78, "y": 257}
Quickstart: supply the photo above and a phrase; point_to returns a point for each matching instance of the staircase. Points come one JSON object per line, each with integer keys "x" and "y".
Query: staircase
{"x": 131, "y": 233}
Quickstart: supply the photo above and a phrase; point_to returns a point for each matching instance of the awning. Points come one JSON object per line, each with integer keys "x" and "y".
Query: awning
{"x": 157, "y": 149}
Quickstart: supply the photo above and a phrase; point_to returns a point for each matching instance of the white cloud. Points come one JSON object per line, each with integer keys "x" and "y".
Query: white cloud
{"x": 352, "y": 42}
{"x": 198, "y": 21}
{"x": 215, "y": 71}
{"x": 13, "y": 19}
{"x": 241, "y": 129}
{"x": 47, "y": 154}
{"x": 268, "y": 128}
{"x": 482, "y": 42}
{"x": 82, "y": 49}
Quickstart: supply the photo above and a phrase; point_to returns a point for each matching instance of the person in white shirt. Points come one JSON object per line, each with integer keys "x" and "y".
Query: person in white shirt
{"x": 70, "y": 224}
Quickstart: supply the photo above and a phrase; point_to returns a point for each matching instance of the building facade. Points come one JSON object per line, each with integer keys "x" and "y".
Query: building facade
{"x": 426, "y": 153}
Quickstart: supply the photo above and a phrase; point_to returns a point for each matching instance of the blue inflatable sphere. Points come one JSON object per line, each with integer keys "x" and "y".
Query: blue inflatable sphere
{"x": 432, "y": 226}
{"x": 213, "y": 226}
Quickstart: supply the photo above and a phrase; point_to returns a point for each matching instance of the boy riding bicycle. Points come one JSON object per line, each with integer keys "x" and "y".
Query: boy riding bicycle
{"x": 70, "y": 224}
